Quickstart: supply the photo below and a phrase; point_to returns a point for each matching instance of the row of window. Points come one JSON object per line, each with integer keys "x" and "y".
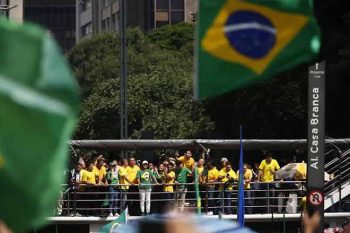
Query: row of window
{"x": 169, "y": 4}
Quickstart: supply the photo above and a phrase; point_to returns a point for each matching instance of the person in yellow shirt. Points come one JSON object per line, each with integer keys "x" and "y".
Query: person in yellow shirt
{"x": 132, "y": 170}
{"x": 169, "y": 186}
{"x": 247, "y": 176}
{"x": 223, "y": 162}
{"x": 211, "y": 177}
{"x": 88, "y": 178}
{"x": 187, "y": 160}
{"x": 228, "y": 177}
{"x": 267, "y": 170}
{"x": 123, "y": 180}
{"x": 100, "y": 171}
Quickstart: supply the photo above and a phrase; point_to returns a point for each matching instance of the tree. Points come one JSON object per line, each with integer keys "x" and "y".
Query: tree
{"x": 159, "y": 89}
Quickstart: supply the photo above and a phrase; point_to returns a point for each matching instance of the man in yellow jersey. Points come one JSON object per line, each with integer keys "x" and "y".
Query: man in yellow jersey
{"x": 100, "y": 171}
{"x": 211, "y": 177}
{"x": 169, "y": 185}
{"x": 187, "y": 160}
{"x": 88, "y": 178}
{"x": 247, "y": 178}
{"x": 123, "y": 181}
{"x": 223, "y": 162}
{"x": 228, "y": 177}
{"x": 133, "y": 196}
{"x": 267, "y": 170}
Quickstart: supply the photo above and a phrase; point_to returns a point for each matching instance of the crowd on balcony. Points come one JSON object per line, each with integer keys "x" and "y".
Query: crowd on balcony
{"x": 170, "y": 179}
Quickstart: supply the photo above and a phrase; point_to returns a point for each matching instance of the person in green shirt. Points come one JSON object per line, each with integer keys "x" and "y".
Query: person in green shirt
{"x": 181, "y": 180}
{"x": 144, "y": 178}
{"x": 113, "y": 181}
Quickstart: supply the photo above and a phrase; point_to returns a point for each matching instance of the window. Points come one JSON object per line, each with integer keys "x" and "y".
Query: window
{"x": 177, "y": 17}
{"x": 113, "y": 23}
{"x": 162, "y": 16}
{"x": 86, "y": 29}
{"x": 177, "y": 4}
{"x": 104, "y": 25}
{"x": 105, "y": 3}
{"x": 162, "y": 4}
{"x": 85, "y": 4}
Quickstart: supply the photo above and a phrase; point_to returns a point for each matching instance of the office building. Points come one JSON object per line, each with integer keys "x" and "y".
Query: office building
{"x": 98, "y": 16}
{"x": 58, "y": 16}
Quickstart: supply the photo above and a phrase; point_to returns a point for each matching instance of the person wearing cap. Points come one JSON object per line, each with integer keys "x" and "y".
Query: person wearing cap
{"x": 100, "y": 170}
{"x": 112, "y": 178}
{"x": 228, "y": 177}
{"x": 169, "y": 184}
{"x": 144, "y": 178}
{"x": 223, "y": 162}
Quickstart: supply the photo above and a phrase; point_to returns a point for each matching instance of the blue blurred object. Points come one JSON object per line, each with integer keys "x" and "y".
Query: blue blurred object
{"x": 157, "y": 224}
{"x": 240, "y": 214}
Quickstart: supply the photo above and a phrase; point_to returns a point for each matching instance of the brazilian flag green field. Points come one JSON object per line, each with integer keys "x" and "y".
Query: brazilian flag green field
{"x": 240, "y": 42}
{"x": 39, "y": 107}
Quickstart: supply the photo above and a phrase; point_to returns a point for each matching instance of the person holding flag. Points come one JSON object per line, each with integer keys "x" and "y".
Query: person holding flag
{"x": 228, "y": 177}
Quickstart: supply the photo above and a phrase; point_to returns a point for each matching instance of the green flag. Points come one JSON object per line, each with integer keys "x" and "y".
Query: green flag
{"x": 108, "y": 228}
{"x": 241, "y": 42}
{"x": 39, "y": 104}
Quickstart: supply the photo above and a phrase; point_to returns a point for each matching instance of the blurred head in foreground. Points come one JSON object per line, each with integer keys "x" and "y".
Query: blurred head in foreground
{"x": 179, "y": 223}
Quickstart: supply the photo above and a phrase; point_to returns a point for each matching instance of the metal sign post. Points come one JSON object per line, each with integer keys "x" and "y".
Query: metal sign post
{"x": 315, "y": 141}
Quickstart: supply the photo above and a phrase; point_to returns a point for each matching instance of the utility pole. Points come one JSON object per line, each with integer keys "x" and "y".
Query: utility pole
{"x": 123, "y": 74}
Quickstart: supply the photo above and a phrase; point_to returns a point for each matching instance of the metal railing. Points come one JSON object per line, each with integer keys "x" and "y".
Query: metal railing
{"x": 100, "y": 200}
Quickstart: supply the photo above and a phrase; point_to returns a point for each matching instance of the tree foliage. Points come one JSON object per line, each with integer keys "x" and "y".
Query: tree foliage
{"x": 159, "y": 89}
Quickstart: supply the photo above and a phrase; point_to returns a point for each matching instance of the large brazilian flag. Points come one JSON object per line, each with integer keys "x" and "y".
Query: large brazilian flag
{"x": 243, "y": 41}
{"x": 39, "y": 104}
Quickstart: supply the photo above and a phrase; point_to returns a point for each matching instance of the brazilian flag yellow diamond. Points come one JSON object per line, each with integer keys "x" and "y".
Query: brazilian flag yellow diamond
{"x": 245, "y": 41}
{"x": 236, "y": 16}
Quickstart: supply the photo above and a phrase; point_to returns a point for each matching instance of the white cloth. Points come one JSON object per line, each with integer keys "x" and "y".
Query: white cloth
{"x": 145, "y": 196}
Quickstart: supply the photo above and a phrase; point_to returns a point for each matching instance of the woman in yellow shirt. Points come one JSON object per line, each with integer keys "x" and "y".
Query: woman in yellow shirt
{"x": 169, "y": 182}
{"x": 247, "y": 178}
{"x": 88, "y": 178}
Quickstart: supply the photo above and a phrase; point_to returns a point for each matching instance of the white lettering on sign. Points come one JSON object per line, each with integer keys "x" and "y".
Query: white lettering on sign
{"x": 314, "y": 121}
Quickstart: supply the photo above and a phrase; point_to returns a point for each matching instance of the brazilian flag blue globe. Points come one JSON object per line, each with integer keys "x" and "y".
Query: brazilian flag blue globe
{"x": 244, "y": 42}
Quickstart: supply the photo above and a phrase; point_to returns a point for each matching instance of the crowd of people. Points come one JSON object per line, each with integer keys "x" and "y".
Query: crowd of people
{"x": 171, "y": 179}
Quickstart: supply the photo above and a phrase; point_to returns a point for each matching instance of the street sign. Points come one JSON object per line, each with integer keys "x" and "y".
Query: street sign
{"x": 316, "y": 134}
{"x": 315, "y": 198}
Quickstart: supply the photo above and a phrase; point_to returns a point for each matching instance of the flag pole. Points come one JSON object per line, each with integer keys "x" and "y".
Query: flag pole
{"x": 240, "y": 214}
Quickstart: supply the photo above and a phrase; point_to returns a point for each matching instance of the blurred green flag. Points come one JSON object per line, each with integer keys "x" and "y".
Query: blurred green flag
{"x": 39, "y": 104}
{"x": 123, "y": 219}
{"x": 242, "y": 42}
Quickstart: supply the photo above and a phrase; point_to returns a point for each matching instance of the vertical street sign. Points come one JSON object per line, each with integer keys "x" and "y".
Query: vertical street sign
{"x": 316, "y": 134}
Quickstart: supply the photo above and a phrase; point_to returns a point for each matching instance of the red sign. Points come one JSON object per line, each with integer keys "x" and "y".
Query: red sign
{"x": 315, "y": 198}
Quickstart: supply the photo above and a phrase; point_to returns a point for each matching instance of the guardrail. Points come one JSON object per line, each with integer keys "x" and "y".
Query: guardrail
{"x": 101, "y": 200}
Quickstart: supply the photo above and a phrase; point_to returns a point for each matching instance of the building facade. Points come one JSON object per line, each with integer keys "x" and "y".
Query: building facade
{"x": 58, "y": 16}
{"x": 98, "y": 16}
